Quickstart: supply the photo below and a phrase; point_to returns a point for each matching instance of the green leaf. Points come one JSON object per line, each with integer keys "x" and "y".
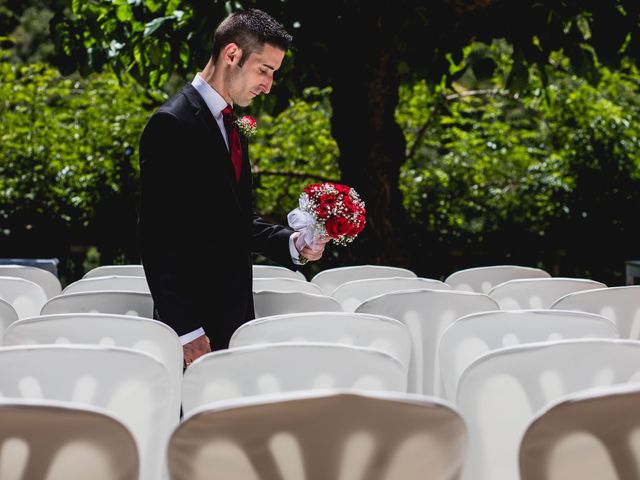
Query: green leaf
{"x": 155, "y": 24}
{"x": 124, "y": 12}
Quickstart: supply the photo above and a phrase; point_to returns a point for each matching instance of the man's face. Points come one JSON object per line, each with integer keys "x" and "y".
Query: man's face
{"x": 255, "y": 76}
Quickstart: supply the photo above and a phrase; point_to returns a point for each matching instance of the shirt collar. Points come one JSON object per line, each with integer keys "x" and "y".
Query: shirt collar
{"x": 213, "y": 99}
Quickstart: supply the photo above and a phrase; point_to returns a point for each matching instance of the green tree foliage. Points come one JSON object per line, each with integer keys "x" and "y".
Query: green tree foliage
{"x": 493, "y": 175}
{"x": 68, "y": 163}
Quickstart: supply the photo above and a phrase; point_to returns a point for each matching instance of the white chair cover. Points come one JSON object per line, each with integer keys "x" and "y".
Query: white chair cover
{"x": 271, "y": 302}
{"x": 47, "y": 280}
{"x": 474, "y": 335}
{"x": 25, "y": 296}
{"x": 426, "y": 313}
{"x": 138, "y": 333}
{"x": 137, "y": 304}
{"x": 111, "y": 282}
{"x": 319, "y": 436}
{"x": 285, "y": 285}
{"x": 500, "y": 392}
{"x": 483, "y": 279}
{"x": 62, "y": 440}
{"x": 352, "y": 294}
{"x": 134, "y": 386}
{"x": 619, "y": 304}
{"x": 590, "y": 435}
{"x": 8, "y": 315}
{"x": 274, "y": 271}
{"x": 538, "y": 293}
{"x": 117, "y": 270}
{"x": 280, "y": 367}
{"x": 328, "y": 280}
{"x": 357, "y": 329}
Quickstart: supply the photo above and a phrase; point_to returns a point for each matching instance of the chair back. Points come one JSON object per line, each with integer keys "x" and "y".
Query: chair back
{"x": 426, "y": 313}
{"x": 328, "y": 280}
{"x": 474, "y": 335}
{"x": 119, "y": 302}
{"x": 111, "y": 282}
{"x": 274, "y": 271}
{"x": 62, "y": 441}
{"x": 8, "y": 315}
{"x": 143, "y": 334}
{"x": 352, "y": 294}
{"x": 47, "y": 280}
{"x": 281, "y": 367}
{"x": 273, "y": 302}
{"x": 319, "y": 436}
{"x": 500, "y": 392}
{"x": 285, "y": 285}
{"x": 619, "y": 304}
{"x": 25, "y": 296}
{"x": 538, "y": 293}
{"x": 589, "y": 435}
{"x": 483, "y": 279}
{"x": 358, "y": 329}
{"x": 131, "y": 384}
{"x": 117, "y": 270}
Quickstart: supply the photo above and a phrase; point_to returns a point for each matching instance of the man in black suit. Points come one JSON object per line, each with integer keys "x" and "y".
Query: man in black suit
{"x": 196, "y": 227}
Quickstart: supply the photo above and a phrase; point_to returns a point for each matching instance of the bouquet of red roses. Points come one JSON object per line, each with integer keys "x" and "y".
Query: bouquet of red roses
{"x": 328, "y": 209}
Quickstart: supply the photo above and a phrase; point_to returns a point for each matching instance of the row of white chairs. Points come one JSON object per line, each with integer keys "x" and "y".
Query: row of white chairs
{"x": 587, "y": 435}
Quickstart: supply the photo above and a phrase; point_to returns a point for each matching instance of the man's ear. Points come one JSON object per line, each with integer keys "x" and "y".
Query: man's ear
{"x": 231, "y": 53}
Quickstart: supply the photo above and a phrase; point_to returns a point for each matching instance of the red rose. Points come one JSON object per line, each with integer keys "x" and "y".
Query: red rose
{"x": 311, "y": 188}
{"x": 344, "y": 189}
{"x": 348, "y": 205}
{"x": 357, "y": 226}
{"x": 337, "y": 226}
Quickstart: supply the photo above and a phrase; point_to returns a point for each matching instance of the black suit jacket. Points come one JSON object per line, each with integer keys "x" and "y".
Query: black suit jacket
{"x": 196, "y": 227}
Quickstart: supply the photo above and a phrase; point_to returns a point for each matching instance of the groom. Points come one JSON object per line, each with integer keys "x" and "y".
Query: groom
{"x": 196, "y": 227}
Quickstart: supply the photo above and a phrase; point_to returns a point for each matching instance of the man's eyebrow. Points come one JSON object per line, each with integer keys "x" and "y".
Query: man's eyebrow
{"x": 268, "y": 66}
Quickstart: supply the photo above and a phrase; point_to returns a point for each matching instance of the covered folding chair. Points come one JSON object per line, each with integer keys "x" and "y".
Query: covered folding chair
{"x": 279, "y": 367}
{"x": 143, "y": 334}
{"x": 54, "y": 440}
{"x": 273, "y": 302}
{"x": 538, "y": 293}
{"x": 117, "y": 270}
{"x": 358, "y": 329}
{"x": 473, "y": 335}
{"x": 8, "y": 315}
{"x": 426, "y": 313}
{"x": 483, "y": 279}
{"x": 111, "y": 282}
{"x": 500, "y": 392}
{"x": 318, "y": 436}
{"x": 274, "y": 271}
{"x": 131, "y": 384}
{"x": 25, "y": 296}
{"x": 285, "y": 285}
{"x": 619, "y": 304}
{"x": 47, "y": 280}
{"x": 590, "y": 435}
{"x": 138, "y": 304}
{"x": 328, "y": 280}
{"x": 352, "y": 294}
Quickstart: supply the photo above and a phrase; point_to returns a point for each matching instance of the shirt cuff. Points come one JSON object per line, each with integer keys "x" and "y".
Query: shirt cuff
{"x": 191, "y": 336}
{"x": 295, "y": 255}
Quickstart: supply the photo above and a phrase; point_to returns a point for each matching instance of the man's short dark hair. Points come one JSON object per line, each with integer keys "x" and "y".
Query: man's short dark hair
{"x": 250, "y": 30}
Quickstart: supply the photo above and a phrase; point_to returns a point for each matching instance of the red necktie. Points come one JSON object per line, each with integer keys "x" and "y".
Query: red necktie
{"x": 234, "y": 139}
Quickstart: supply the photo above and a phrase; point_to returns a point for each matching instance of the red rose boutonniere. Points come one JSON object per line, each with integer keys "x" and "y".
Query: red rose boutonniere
{"x": 247, "y": 125}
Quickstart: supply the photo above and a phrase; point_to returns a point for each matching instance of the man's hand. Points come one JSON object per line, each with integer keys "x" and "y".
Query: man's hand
{"x": 195, "y": 349}
{"x": 310, "y": 252}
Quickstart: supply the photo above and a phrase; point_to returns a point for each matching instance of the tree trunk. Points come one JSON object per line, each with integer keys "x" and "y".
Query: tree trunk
{"x": 372, "y": 145}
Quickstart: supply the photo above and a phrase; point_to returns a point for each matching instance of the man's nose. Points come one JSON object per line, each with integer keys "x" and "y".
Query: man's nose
{"x": 266, "y": 86}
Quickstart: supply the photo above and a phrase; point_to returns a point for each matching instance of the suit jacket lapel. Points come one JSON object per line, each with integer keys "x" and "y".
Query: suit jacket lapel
{"x": 215, "y": 138}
